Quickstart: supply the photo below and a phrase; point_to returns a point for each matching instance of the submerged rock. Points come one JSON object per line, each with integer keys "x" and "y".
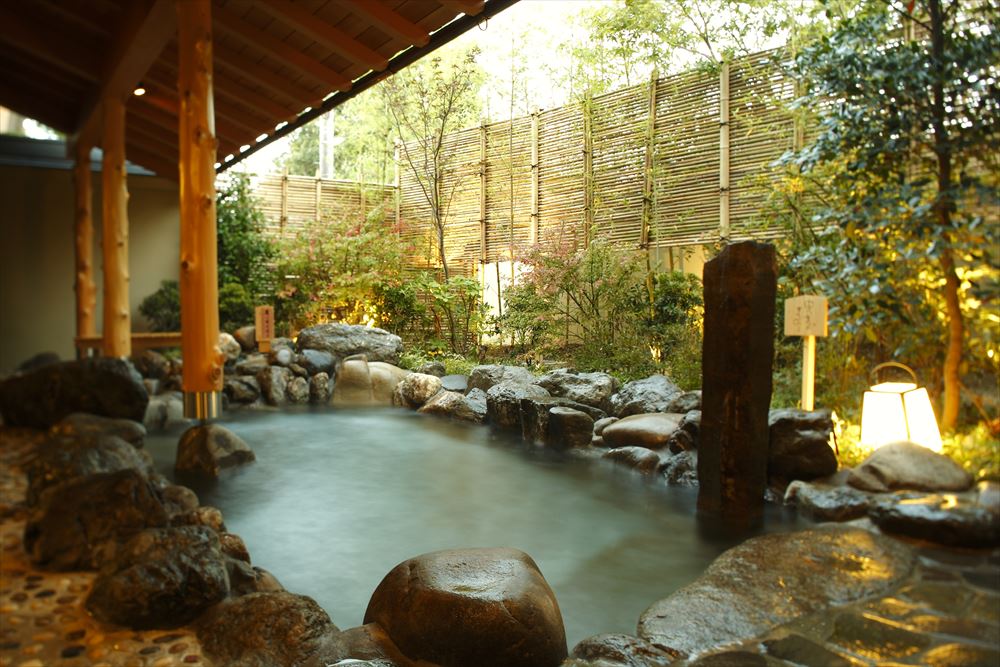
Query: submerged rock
{"x": 652, "y": 394}
{"x": 652, "y": 431}
{"x": 463, "y": 607}
{"x": 160, "y": 578}
{"x": 906, "y": 465}
{"x": 207, "y": 449}
{"x": 791, "y": 574}
{"x": 346, "y": 340}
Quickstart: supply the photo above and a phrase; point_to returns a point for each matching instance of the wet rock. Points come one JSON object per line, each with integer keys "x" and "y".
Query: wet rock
{"x": 800, "y": 445}
{"x": 535, "y": 415}
{"x": 801, "y": 651}
{"x": 824, "y": 566}
{"x": 246, "y": 337}
{"x": 208, "y": 448}
{"x": 297, "y": 391}
{"x": 269, "y": 629}
{"x": 281, "y": 356}
{"x": 345, "y": 340}
{"x": 639, "y": 459}
{"x": 252, "y": 364}
{"x": 165, "y": 411}
{"x": 37, "y": 361}
{"x": 416, "y": 389}
{"x": 384, "y": 378}
{"x": 961, "y": 655}
{"x": 81, "y": 425}
{"x": 459, "y": 383}
{"x": 621, "y": 651}
{"x": 316, "y": 361}
{"x": 484, "y": 377}
{"x": 241, "y": 388}
{"x": 367, "y": 643}
{"x": 463, "y": 607}
{"x": 593, "y": 389}
{"x": 905, "y": 465}
{"x": 203, "y": 515}
{"x": 453, "y": 405}
{"x": 152, "y": 364}
{"x": 319, "y": 389}
{"x": 178, "y": 500}
{"x": 730, "y": 659}
{"x": 66, "y": 532}
{"x": 874, "y": 638}
{"x": 652, "y": 394}
{"x": 827, "y": 503}
{"x": 160, "y": 578}
{"x": 229, "y": 347}
{"x": 503, "y": 403}
{"x": 61, "y": 459}
{"x": 102, "y": 386}
{"x": 298, "y": 371}
{"x": 681, "y": 469}
{"x": 652, "y": 431}
{"x": 245, "y": 579}
{"x": 273, "y": 382}
{"x": 602, "y": 424}
{"x": 354, "y": 383}
{"x": 233, "y": 546}
{"x": 942, "y": 519}
{"x": 568, "y": 428}
{"x": 435, "y": 368}
{"x": 688, "y": 432}
{"x": 685, "y": 403}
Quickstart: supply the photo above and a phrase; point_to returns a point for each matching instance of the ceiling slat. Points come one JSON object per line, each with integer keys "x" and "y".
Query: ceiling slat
{"x": 389, "y": 22}
{"x": 471, "y": 7}
{"x": 241, "y": 65}
{"x": 51, "y": 45}
{"x": 33, "y": 104}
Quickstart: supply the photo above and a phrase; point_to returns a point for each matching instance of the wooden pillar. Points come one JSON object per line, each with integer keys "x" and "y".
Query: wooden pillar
{"x": 724, "y": 226}
{"x": 117, "y": 320}
{"x": 399, "y": 190}
{"x": 86, "y": 291}
{"x": 534, "y": 177}
{"x": 588, "y": 172}
{"x": 203, "y": 361}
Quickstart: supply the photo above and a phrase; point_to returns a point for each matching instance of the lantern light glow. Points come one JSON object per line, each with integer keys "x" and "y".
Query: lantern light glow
{"x": 894, "y": 411}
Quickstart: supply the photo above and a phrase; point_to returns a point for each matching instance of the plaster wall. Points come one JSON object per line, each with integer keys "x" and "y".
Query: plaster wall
{"x": 37, "y": 300}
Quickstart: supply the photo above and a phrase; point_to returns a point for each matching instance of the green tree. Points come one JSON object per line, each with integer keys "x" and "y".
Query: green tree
{"x": 302, "y": 158}
{"x": 904, "y": 166}
{"x": 244, "y": 254}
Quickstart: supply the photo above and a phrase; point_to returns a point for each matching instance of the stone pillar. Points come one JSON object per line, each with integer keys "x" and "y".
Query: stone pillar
{"x": 737, "y": 357}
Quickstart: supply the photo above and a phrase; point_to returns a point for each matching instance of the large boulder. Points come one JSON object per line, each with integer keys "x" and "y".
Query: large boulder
{"x": 68, "y": 531}
{"x": 102, "y": 386}
{"x": 385, "y": 377}
{"x": 246, "y": 337}
{"x": 688, "y": 433}
{"x": 800, "y": 445}
{"x": 416, "y": 389}
{"x": 594, "y": 389}
{"x": 453, "y": 405}
{"x": 37, "y": 361}
{"x": 827, "y": 502}
{"x": 345, "y": 340}
{"x": 208, "y": 448}
{"x": 354, "y": 383}
{"x": 906, "y": 465}
{"x": 463, "y": 607}
{"x": 160, "y": 578}
{"x": 792, "y": 574}
{"x": 686, "y": 402}
{"x": 229, "y": 347}
{"x": 269, "y": 629}
{"x": 484, "y": 377}
{"x": 241, "y": 388}
{"x": 273, "y": 381}
{"x": 503, "y": 403}
{"x": 252, "y": 364}
{"x": 316, "y": 361}
{"x": 963, "y": 521}
{"x": 568, "y": 428}
{"x": 535, "y": 416}
{"x": 87, "y": 426}
{"x": 652, "y": 394}
{"x": 652, "y": 431}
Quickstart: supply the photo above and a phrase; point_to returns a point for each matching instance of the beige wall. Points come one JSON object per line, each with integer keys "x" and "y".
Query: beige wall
{"x": 37, "y": 301}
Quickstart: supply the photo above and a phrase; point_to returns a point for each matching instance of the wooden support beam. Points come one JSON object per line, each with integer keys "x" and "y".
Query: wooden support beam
{"x": 52, "y": 45}
{"x": 146, "y": 28}
{"x": 389, "y": 22}
{"x": 203, "y": 361}
{"x": 298, "y": 17}
{"x": 114, "y": 193}
{"x": 261, "y": 39}
{"x": 470, "y": 7}
{"x": 241, "y": 65}
{"x": 86, "y": 291}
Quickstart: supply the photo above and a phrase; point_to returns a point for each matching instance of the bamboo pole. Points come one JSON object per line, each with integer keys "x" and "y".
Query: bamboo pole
{"x": 588, "y": 172}
{"x": 647, "y": 191}
{"x": 86, "y": 291}
{"x": 319, "y": 196}
{"x": 724, "y": 226}
{"x": 284, "y": 201}
{"x": 114, "y": 195}
{"x": 482, "y": 195}
{"x": 203, "y": 360}
{"x": 399, "y": 189}
{"x": 534, "y": 177}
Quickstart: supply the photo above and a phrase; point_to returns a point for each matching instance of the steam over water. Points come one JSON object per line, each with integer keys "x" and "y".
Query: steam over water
{"x": 337, "y": 498}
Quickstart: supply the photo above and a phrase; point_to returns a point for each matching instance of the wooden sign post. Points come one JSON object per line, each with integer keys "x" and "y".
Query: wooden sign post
{"x": 806, "y": 316}
{"x": 264, "y": 327}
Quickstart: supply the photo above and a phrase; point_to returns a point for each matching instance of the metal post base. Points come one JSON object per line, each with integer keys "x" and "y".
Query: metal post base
{"x": 202, "y": 405}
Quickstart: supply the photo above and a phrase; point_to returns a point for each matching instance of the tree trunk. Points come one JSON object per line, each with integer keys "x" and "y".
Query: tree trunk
{"x": 956, "y": 334}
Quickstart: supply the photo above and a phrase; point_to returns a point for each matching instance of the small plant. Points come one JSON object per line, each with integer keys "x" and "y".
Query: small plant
{"x": 236, "y": 307}
{"x": 162, "y": 308}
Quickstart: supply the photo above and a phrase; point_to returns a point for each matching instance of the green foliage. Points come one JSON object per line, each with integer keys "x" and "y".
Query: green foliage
{"x": 162, "y": 308}
{"x": 236, "y": 307}
{"x": 302, "y": 158}
{"x": 244, "y": 254}
{"x": 453, "y": 316}
{"x": 454, "y": 364}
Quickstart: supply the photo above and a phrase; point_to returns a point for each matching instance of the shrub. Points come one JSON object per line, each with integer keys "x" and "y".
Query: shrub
{"x": 245, "y": 256}
{"x": 163, "y": 307}
{"x": 236, "y": 307}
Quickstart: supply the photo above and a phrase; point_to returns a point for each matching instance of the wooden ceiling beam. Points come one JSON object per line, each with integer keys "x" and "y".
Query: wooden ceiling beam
{"x": 150, "y": 134}
{"x": 333, "y": 38}
{"x": 470, "y": 7}
{"x": 261, "y": 39}
{"x": 145, "y": 29}
{"x": 237, "y": 63}
{"x": 389, "y": 22}
{"x": 52, "y": 45}
{"x": 144, "y": 157}
{"x": 20, "y": 98}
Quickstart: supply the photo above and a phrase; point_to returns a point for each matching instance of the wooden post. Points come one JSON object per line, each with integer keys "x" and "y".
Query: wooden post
{"x": 399, "y": 193}
{"x": 647, "y": 193}
{"x": 588, "y": 172}
{"x": 534, "y": 177}
{"x": 482, "y": 195}
{"x": 117, "y": 318}
{"x": 86, "y": 291}
{"x": 284, "y": 200}
{"x": 724, "y": 226}
{"x": 203, "y": 360}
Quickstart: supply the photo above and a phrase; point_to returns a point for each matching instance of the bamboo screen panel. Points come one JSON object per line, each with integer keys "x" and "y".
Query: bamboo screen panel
{"x": 291, "y": 203}
{"x": 508, "y": 189}
{"x": 460, "y": 194}
{"x": 560, "y": 176}
{"x": 686, "y": 160}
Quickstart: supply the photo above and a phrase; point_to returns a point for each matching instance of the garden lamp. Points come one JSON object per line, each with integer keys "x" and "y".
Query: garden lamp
{"x": 894, "y": 411}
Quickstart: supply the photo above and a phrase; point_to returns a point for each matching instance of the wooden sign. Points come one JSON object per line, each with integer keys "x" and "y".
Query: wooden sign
{"x": 805, "y": 316}
{"x": 264, "y": 327}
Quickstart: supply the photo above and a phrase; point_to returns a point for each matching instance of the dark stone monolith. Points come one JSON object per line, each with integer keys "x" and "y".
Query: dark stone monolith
{"x": 737, "y": 357}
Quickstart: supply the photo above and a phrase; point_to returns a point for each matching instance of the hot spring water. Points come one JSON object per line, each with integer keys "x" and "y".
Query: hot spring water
{"x": 337, "y": 498}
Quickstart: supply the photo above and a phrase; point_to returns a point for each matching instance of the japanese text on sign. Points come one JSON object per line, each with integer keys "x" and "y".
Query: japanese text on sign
{"x": 264, "y": 323}
{"x": 805, "y": 316}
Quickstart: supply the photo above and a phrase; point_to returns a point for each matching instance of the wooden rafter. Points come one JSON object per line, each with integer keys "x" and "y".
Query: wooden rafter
{"x": 261, "y": 39}
{"x": 150, "y": 135}
{"x": 148, "y": 157}
{"x": 296, "y": 16}
{"x": 35, "y": 104}
{"x": 389, "y": 21}
{"x": 241, "y": 65}
{"x": 144, "y": 31}
{"x": 83, "y": 20}
{"x": 471, "y": 7}
{"x": 51, "y": 45}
